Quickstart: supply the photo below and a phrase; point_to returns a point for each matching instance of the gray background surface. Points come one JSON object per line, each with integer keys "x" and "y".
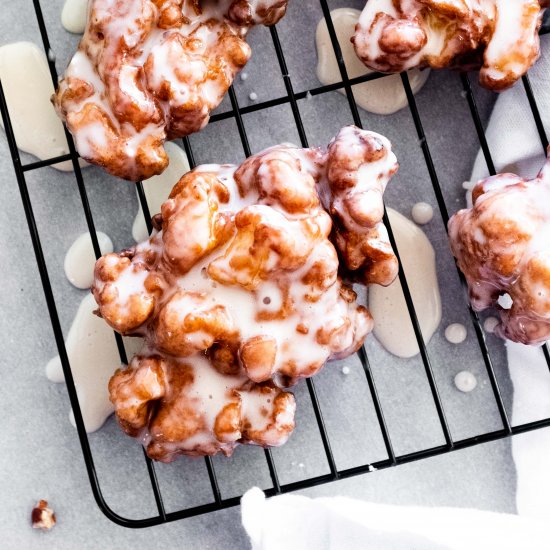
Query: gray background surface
{"x": 40, "y": 455}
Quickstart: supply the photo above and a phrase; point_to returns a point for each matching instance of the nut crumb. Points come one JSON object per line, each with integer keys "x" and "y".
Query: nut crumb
{"x": 42, "y": 516}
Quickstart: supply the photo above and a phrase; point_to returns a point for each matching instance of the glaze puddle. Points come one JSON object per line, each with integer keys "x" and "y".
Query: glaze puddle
{"x": 422, "y": 213}
{"x": 93, "y": 356}
{"x": 392, "y": 325}
{"x": 158, "y": 188}
{"x": 465, "y": 381}
{"x": 28, "y": 87}
{"x": 73, "y": 16}
{"x": 456, "y": 333}
{"x": 80, "y": 259}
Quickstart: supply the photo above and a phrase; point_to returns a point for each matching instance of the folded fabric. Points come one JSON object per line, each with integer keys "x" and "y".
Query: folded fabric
{"x": 293, "y": 522}
{"x": 531, "y": 451}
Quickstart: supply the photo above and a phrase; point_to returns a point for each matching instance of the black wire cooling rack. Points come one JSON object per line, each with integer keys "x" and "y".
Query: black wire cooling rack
{"x": 291, "y": 98}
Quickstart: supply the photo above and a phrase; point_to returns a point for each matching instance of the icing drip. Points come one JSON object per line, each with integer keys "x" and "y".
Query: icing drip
{"x": 73, "y": 16}
{"x": 27, "y": 85}
{"x": 80, "y": 259}
{"x": 93, "y": 357}
{"x": 392, "y": 325}
{"x": 158, "y": 188}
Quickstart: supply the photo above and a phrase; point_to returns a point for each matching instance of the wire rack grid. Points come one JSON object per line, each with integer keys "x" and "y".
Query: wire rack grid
{"x": 236, "y": 112}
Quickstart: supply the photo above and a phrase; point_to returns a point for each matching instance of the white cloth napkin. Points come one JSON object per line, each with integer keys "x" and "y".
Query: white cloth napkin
{"x": 291, "y": 522}
{"x": 531, "y": 451}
